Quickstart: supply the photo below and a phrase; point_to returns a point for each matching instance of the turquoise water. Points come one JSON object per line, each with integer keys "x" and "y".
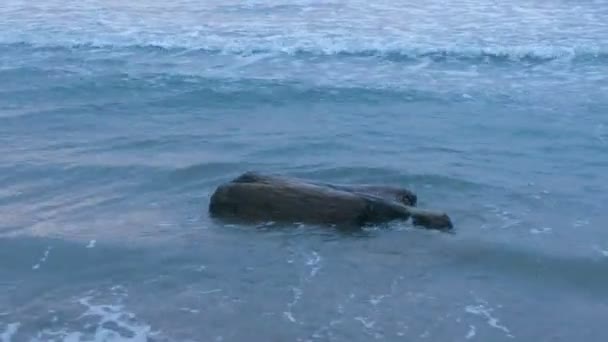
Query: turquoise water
{"x": 119, "y": 119}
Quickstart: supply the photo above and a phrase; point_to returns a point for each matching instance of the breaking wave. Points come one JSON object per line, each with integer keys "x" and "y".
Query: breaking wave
{"x": 333, "y": 49}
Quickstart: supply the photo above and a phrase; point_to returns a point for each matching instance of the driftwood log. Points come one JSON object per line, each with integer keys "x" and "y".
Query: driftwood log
{"x": 256, "y": 197}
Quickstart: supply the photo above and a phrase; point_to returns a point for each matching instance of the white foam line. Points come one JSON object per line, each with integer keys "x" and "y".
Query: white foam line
{"x": 210, "y": 291}
{"x": 472, "y": 332}
{"x": 297, "y": 294}
{"x": 91, "y": 244}
{"x": 481, "y": 310}
{"x": 314, "y": 261}
{"x": 289, "y": 316}
{"x": 192, "y": 311}
{"x": 368, "y": 324}
{"x": 115, "y": 288}
{"x": 375, "y": 300}
{"x": 43, "y": 259}
{"x": 540, "y": 230}
{"x": 11, "y": 329}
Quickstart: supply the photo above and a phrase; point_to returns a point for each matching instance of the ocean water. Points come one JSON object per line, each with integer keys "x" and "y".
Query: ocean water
{"x": 119, "y": 118}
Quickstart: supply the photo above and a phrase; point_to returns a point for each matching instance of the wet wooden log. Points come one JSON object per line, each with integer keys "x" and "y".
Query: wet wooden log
{"x": 256, "y": 197}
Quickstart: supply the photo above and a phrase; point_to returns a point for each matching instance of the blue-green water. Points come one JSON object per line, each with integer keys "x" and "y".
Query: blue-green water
{"x": 118, "y": 120}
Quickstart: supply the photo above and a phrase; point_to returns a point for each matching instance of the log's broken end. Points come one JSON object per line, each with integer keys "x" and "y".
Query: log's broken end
{"x": 431, "y": 219}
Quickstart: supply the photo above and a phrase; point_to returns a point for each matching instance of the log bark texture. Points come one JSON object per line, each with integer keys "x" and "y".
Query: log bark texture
{"x": 255, "y": 197}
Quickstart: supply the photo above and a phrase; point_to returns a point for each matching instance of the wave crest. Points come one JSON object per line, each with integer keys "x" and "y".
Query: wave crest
{"x": 333, "y": 49}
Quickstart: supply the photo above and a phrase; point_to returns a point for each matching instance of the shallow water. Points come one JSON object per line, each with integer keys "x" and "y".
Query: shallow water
{"x": 118, "y": 120}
